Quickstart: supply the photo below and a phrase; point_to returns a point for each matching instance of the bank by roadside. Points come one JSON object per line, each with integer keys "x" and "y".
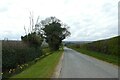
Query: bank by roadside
{"x": 58, "y": 67}
{"x": 43, "y": 68}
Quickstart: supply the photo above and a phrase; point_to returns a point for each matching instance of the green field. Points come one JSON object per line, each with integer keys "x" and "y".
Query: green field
{"x": 43, "y": 68}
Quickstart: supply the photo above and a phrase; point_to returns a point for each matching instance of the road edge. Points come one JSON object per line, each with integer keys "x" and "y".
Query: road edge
{"x": 58, "y": 68}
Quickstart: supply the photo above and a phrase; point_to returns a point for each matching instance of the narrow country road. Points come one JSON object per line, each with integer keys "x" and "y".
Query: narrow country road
{"x": 77, "y": 65}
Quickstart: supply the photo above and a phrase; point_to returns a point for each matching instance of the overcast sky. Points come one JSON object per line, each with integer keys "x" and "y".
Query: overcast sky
{"x": 88, "y": 19}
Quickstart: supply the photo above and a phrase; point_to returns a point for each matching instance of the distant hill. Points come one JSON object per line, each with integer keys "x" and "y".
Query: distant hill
{"x": 76, "y": 42}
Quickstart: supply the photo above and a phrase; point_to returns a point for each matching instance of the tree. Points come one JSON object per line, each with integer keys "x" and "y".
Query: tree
{"x": 54, "y": 31}
{"x": 33, "y": 39}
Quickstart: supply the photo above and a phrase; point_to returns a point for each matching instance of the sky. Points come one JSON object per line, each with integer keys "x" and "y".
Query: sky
{"x": 89, "y": 20}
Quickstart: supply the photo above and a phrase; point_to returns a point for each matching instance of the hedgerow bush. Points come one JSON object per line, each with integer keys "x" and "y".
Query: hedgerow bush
{"x": 109, "y": 46}
{"x": 17, "y": 53}
{"x": 33, "y": 39}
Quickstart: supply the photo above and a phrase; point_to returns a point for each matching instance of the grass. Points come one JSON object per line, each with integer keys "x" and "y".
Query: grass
{"x": 105, "y": 57}
{"x": 43, "y": 68}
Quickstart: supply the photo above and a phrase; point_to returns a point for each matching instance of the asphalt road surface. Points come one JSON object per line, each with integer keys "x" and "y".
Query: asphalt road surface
{"x": 77, "y": 65}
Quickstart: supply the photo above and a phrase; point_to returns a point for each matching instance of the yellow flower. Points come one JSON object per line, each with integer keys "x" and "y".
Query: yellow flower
{"x": 9, "y": 71}
{"x": 1, "y": 73}
{"x": 21, "y": 67}
{"x": 13, "y": 69}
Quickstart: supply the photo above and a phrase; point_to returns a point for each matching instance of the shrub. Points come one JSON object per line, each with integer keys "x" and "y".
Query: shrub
{"x": 16, "y": 53}
{"x": 33, "y": 39}
{"x": 108, "y": 46}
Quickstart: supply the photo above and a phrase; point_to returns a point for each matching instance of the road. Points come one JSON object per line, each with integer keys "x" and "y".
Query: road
{"x": 77, "y": 65}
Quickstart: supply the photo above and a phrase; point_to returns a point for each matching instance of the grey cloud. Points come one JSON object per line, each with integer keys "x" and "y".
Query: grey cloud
{"x": 86, "y": 22}
{"x": 3, "y": 9}
{"x": 110, "y": 9}
{"x": 10, "y": 35}
{"x": 107, "y": 7}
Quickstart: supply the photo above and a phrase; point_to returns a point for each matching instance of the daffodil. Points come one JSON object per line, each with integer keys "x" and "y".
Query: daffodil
{"x": 13, "y": 69}
{"x": 21, "y": 67}
{"x": 9, "y": 71}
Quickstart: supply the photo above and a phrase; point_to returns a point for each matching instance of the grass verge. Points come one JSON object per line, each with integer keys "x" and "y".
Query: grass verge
{"x": 108, "y": 58}
{"x": 43, "y": 68}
